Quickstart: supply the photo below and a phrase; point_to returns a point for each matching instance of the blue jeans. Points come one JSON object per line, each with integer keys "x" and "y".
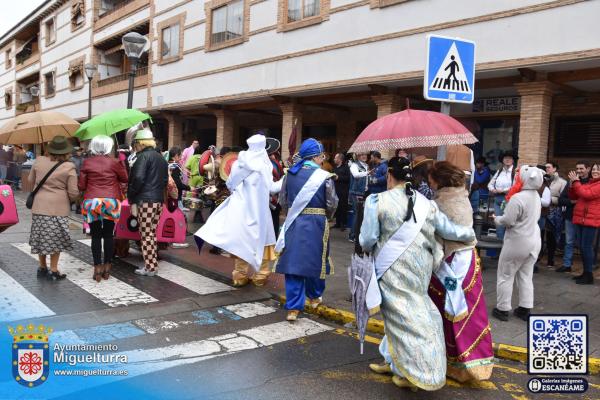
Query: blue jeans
{"x": 476, "y": 198}
{"x": 570, "y": 239}
{"x": 585, "y": 239}
{"x": 297, "y": 288}
{"x": 498, "y": 211}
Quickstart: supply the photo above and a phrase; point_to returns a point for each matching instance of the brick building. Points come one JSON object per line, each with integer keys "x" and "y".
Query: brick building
{"x": 218, "y": 70}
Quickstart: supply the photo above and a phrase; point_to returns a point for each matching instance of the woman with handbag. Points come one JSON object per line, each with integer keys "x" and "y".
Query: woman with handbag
{"x": 99, "y": 180}
{"x": 55, "y": 183}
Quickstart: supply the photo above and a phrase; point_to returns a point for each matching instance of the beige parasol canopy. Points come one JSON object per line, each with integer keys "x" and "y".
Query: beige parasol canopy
{"x": 37, "y": 127}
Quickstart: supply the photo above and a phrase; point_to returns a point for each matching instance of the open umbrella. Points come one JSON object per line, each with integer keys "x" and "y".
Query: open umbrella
{"x": 412, "y": 128}
{"x": 110, "y": 123}
{"x": 37, "y": 127}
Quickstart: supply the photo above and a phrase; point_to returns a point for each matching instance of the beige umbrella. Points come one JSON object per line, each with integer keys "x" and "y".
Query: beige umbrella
{"x": 37, "y": 127}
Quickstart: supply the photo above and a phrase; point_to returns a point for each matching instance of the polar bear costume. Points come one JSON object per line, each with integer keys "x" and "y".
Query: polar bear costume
{"x": 522, "y": 241}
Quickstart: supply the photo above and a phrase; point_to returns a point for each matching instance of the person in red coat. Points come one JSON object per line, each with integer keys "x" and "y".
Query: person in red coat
{"x": 586, "y": 218}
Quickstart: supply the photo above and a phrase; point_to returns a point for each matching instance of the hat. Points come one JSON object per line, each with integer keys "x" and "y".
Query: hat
{"x": 508, "y": 153}
{"x": 256, "y": 142}
{"x": 273, "y": 145}
{"x": 143, "y": 134}
{"x": 418, "y": 160}
{"x": 59, "y": 145}
{"x": 227, "y": 164}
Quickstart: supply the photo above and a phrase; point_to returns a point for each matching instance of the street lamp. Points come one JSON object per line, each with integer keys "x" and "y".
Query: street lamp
{"x": 90, "y": 70}
{"x": 135, "y": 45}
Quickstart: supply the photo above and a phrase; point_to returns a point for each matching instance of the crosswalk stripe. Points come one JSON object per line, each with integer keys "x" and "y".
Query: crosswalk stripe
{"x": 17, "y": 303}
{"x": 113, "y": 293}
{"x": 183, "y": 277}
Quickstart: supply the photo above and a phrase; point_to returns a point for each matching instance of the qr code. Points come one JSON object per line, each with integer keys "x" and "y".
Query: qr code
{"x": 557, "y": 344}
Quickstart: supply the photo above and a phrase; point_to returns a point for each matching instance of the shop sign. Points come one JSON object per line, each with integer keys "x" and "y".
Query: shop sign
{"x": 497, "y": 104}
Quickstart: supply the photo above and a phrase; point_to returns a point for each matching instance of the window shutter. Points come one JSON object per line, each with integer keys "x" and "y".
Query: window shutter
{"x": 577, "y": 136}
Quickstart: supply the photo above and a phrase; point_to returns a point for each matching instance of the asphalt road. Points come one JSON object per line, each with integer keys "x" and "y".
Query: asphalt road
{"x": 187, "y": 334}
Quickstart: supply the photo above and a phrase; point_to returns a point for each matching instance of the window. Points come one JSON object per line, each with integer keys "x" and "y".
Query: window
{"x": 227, "y": 22}
{"x": 77, "y": 14}
{"x": 295, "y": 14}
{"x": 76, "y": 80}
{"x": 49, "y": 78}
{"x": 50, "y": 31}
{"x": 8, "y": 59}
{"x": 300, "y": 9}
{"x": 8, "y": 98}
{"x": 577, "y": 136}
{"x": 171, "y": 39}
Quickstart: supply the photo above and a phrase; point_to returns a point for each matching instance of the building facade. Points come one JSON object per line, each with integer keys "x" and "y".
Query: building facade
{"x": 219, "y": 70}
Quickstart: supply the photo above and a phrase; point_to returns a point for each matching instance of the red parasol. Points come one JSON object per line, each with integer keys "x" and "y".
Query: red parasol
{"x": 412, "y": 128}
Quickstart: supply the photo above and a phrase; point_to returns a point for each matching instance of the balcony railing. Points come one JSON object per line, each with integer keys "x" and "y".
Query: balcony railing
{"x": 25, "y": 61}
{"x": 123, "y": 77}
{"x": 117, "y": 7}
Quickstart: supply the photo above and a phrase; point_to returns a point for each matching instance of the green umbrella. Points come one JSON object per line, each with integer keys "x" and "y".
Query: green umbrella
{"x": 110, "y": 122}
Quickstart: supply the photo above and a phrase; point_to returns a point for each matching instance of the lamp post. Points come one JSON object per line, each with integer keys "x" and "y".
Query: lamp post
{"x": 90, "y": 70}
{"x": 135, "y": 45}
{"x": 35, "y": 92}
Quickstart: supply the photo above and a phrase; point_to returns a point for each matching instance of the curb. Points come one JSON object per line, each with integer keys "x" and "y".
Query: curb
{"x": 501, "y": 350}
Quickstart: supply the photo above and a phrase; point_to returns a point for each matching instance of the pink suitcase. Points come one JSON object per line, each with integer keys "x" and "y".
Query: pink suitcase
{"x": 127, "y": 227}
{"x": 8, "y": 208}
{"x": 171, "y": 226}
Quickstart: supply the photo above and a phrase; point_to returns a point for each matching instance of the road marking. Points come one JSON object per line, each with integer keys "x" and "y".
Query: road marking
{"x": 113, "y": 292}
{"x": 183, "y": 277}
{"x": 17, "y": 303}
{"x": 249, "y": 310}
{"x": 145, "y": 361}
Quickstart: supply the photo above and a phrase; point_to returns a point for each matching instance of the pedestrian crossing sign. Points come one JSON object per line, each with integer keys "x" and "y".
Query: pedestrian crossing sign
{"x": 450, "y": 70}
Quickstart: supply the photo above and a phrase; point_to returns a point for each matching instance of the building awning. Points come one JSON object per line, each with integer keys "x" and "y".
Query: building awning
{"x": 22, "y": 47}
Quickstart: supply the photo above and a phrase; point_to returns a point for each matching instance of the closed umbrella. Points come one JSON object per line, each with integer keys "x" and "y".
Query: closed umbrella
{"x": 360, "y": 274}
{"x": 37, "y": 127}
{"x": 110, "y": 122}
{"x": 412, "y": 128}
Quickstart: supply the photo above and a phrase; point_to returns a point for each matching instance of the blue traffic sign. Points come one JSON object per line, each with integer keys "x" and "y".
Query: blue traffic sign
{"x": 450, "y": 70}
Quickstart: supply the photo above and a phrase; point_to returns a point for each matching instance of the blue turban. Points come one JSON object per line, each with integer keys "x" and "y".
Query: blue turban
{"x": 310, "y": 148}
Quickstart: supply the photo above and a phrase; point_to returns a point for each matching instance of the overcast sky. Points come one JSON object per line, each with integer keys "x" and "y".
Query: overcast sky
{"x": 14, "y": 11}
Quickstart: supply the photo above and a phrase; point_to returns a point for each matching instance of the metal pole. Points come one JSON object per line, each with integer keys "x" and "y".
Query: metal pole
{"x": 441, "y": 152}
{"x": 133, "y": 68}
{"x": 90, "y": 99}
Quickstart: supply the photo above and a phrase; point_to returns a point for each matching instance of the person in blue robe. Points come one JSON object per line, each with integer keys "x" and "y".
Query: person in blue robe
{"x": 308, "y": 195}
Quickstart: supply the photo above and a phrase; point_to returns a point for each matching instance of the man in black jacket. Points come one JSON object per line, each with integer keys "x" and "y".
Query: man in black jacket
{"x": 342, "y": 186}
{"x": 146, "y": 192}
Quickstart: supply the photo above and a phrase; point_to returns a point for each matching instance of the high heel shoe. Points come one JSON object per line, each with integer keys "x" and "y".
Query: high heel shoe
{"x": 41, "y": 272}
{"x": 106, "y": 273}
{"x": 98, "y": 271}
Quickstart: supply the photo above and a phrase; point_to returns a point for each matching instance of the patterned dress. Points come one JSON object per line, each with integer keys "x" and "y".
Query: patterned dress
{"x": 413, "y": 325}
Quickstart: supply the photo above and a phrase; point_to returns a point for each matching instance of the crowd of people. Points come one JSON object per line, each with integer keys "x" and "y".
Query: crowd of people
{"x": 412, "y": 214}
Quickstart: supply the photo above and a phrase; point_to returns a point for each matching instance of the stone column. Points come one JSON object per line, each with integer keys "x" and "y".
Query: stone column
{"x": 534, "y": 123}
{"x": 175, "y": 135}
{"x": 292, "y": 116}
{"x": 345, "y": 131}
{"x": 225, "y": 128}
{"x": 388, "y": 104}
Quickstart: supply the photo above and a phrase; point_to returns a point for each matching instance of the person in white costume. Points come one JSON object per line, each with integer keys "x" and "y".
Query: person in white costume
{"x": 242, "y": 225}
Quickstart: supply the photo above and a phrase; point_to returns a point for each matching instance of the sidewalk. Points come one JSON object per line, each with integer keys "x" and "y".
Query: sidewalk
{"x": 554, "y": 293}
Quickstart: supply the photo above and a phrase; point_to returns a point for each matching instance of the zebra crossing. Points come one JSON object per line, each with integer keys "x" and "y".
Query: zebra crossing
{"x": 18, "y": 300}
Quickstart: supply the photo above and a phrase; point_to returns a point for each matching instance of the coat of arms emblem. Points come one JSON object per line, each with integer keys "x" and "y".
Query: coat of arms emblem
{"x": 30, "y": 354}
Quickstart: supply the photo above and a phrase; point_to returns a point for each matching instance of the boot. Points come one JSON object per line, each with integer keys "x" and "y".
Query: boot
{"x": 98, "y": 270}
{"x": 501, "y": 315}
{"x": 106, "y": 271}
{"x": 578, "y": 276}
{"x": 586, "y": 279}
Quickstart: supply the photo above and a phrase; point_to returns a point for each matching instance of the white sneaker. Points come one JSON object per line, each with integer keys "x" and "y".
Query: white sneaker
{"x": 180, "y": 245}
{"x": 145, "y": 272}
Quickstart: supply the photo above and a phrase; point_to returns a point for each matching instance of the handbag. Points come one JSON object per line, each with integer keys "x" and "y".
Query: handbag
{"x": 31, "y": 197}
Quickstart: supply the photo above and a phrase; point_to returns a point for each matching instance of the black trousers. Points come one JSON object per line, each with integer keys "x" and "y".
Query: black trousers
{"x": 102, "y": 230}
{"x": 275, "y": 213}
{"x": 550, "y": 244}
{"x": 341, "y": 214}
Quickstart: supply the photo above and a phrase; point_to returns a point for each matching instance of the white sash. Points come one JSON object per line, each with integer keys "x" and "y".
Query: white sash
{"x": 403, "y": 237}
{"x": 394, "y": 248}
{"x": 302, "y": 199}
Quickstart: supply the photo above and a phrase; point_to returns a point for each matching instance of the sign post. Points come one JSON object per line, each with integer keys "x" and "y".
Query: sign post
{"x": 449, "y": 74}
